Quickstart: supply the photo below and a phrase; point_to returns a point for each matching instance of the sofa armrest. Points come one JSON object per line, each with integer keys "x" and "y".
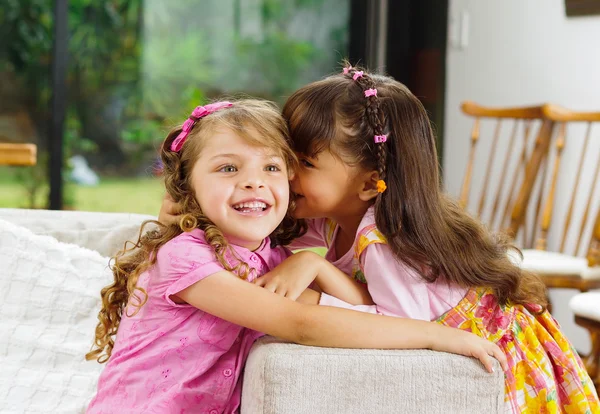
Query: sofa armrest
{"x": 283, "y": 378}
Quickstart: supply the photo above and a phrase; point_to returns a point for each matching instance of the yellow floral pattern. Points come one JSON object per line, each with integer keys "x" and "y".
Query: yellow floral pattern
{"x": 545, "y": 373}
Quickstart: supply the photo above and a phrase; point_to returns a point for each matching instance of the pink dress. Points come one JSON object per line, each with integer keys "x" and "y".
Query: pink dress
{"x": 175, "y": 358}
{"x": 545, "y": 373}
{"x": 396, "y": 289}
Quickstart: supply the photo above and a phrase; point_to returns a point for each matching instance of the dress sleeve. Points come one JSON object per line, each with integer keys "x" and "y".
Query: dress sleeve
{"x": 314, "y": 237}
{"x": 182, "y": 262}
{"x": 395, "y": 287}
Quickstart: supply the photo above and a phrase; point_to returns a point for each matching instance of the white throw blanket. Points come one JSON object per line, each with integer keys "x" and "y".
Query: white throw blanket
{"x": 49, "y": 301}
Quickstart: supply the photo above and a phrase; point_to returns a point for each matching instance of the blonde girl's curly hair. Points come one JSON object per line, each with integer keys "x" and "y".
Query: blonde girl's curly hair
{"x": 258, "y": 122}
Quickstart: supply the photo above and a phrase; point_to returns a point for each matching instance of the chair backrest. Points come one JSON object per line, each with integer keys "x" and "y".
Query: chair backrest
{"x": 593, "y": 254}
{"x": 504, "y": 164}
{"x": 565, "y": 216}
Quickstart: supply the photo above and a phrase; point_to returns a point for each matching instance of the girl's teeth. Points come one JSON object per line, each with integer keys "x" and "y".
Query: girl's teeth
{"x": 251, "y": 205}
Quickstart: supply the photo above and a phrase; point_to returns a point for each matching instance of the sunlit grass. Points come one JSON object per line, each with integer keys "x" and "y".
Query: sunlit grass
{"x": 131, "y": 195}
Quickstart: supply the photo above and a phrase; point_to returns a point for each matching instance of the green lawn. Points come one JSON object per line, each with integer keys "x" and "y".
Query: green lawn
{"x": 131, "y": 195}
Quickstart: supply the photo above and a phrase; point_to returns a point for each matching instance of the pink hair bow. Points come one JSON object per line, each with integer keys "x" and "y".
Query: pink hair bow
{"x": 197, "y": 113}
{"x": 357, "y": 74}
{"x": 347, "y": 70}
{"x": 380, "y": 139}
{"x": 370, "y": 92}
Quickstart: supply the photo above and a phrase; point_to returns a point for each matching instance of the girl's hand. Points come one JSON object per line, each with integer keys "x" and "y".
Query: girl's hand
{"x": 170, "y": 211}
{"x": 465, "y": 343}
{"x": 293, "y": 275}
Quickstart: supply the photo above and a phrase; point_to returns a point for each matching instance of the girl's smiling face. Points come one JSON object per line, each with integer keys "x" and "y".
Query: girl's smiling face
{"x": 242, "y": 188}
{"x": 326, "y": 186}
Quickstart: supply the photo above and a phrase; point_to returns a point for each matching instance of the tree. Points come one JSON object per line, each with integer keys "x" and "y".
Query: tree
{"x": 103, "y": 63}
{"x": 137, "y": 65}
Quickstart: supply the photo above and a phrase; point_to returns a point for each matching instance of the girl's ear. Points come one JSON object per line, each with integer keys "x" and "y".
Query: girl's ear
{"x": 368, "y": 185}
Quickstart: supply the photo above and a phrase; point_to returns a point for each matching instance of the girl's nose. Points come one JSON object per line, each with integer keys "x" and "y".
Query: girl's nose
{"x": 250, "y": 185}
{"x": 253, "y": 181}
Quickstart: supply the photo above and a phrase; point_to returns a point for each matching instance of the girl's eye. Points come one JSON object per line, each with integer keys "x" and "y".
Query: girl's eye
{"x": 228, "y": 169}
{"x": 272, "y": 168}
{"x": 306, "y": 163}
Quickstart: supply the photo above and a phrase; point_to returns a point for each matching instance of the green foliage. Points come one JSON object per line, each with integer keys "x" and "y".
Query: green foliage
{"x": 74, "y": 141}
{"x": 175, "y": 66}
{"x": 279, "y": 12}
{"x": 34, "y": 181}
{"x": 104, "y": 52}
{"x": 142, "y": 131}
{"x": 174, "y": 73}
{"x": 147, "y": 63}
{"x": 25, "y": 28}
{"x": 275, "y": 63}
{"x": 264, "y": 77}
{"x": 104, "y": 45}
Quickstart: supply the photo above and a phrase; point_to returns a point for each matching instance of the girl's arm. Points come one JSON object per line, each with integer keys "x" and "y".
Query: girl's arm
{"x": 399, "y": 290}
{"x": 226, "y": 296}
{"x": 298, "y": 271}
{"x": 333, "y": 281}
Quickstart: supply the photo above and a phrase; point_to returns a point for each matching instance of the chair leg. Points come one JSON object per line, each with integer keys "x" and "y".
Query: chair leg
{"x": 593, "y": 359}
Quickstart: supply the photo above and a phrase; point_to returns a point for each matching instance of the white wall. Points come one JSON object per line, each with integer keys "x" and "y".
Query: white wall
{"x": 518, "y": 52}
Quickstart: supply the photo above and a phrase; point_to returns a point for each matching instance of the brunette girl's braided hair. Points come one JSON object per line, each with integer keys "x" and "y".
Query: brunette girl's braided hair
{"x": 374, "y": 117}
{"x": 375, "y": 122}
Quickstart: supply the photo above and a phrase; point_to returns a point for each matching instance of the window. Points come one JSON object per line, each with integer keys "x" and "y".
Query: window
{"x": 135, "y": 69}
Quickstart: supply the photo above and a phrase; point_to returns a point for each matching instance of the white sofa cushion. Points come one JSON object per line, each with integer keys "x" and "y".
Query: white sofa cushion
{"x": 102, "y": 232}
{"x": 283, "y": 378}
{"x": 543, "y": 262}
{"x": 279, "y": 378}
{"x": 49, "y": 301}
{"x": 586, "y": 305}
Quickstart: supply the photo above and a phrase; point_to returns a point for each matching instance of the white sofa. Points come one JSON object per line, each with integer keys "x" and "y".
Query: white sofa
{"x": 53, "y": 264}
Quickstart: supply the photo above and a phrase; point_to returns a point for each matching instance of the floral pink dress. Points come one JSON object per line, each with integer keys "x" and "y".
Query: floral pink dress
{"x": 175, "y": 358}
{"x": 545, "y": 373}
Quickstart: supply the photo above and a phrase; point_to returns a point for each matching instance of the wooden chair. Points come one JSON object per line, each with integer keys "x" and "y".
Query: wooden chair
{"x": 564, "y": 247}
{"x": 586, "y": 307}
{"x": 560, "y": 241}
{"x": 511, "y": 153}
{"x": 18, "y": 154}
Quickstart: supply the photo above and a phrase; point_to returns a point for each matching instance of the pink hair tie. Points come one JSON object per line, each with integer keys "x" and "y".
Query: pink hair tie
{"x": 380, "y": 139}
{"x": 357, "y": 74}
{"x": 370, "y": 92}
{"x": 347, "y": 69}
{"x": 197, "y": 113}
